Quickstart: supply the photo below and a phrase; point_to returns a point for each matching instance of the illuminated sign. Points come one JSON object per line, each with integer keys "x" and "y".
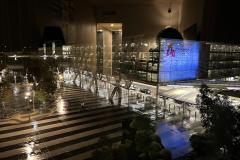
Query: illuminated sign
{"x": 179, "y": 60}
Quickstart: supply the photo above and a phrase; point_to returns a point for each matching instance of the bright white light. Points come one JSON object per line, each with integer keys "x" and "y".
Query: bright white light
{"x": 44, "y": 57}
{"x": 35, "y": 125}
{"x": 60, "y": 77}
{"x": 61, "y": 106}
{"x": 27, "y": 94}
{"x": 233, "y": 88}
{"x": 15, "y": 57}
{"x": 15, "y": 90}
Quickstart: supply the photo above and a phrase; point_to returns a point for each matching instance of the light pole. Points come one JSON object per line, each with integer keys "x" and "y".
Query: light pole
{"x": 29, "y": 116}
{"x": 33, "y": 98}
{"x": 27, "y": 95}
{"x": 15, "y": 79}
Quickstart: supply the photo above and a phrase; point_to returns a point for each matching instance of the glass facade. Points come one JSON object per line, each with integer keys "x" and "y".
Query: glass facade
{"x": 224, "y": 60}
{"x": 179, "y": 60}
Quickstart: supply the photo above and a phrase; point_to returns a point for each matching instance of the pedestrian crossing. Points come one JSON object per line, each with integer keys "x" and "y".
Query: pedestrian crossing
{"x": 70, "y": 134}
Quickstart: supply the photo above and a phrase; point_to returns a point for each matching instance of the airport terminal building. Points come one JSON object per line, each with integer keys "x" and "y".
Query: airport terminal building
{"x": 169, "y": 61}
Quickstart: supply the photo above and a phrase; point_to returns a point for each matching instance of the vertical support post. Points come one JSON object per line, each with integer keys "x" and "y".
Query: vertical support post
{"x": 157, "y": 87}
{"x": 165, "y": 105}
{"x": 128, "y": 98}
{"x": 33, "y": 99}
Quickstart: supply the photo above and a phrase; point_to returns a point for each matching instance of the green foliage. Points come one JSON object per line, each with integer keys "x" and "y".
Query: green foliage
{"x": 139, "y": 143}
{"x": 105, "y": 141}
{"x": 105, "y": 153}
{"x": 48, "y": 82}
{"x": 6, "y": 93}
{"x": 154, "y": 150}
{"x": 204, "y": 144}
{"x": 141, "y": 122}
{"x": 121, "y": 153}
{"x": 221, "y": 120}
{"x": 4, "y": 84}
{"x": 41, "y": 96}
{"x": 165, "y": 154}
{"x": 142, "y": 140}
{"x": 155, "y": 138}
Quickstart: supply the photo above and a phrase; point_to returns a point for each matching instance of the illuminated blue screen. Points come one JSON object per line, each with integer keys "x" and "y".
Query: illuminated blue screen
{"x": 179, "y": 60}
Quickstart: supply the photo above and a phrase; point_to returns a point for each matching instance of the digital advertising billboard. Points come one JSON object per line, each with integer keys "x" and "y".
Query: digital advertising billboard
{"x": 179, "y": 60}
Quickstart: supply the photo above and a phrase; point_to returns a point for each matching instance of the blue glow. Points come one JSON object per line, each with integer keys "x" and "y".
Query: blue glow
{"x": 173, "y": 139}
{"x": 179, "y": 60}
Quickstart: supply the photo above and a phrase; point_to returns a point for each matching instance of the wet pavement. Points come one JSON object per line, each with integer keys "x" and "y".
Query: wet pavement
{"x": 176, "y": 140}
{"x": 71, "y": 132}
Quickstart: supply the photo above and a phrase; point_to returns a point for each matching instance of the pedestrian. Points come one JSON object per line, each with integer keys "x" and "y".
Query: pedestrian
{"x": 82, "y": 103}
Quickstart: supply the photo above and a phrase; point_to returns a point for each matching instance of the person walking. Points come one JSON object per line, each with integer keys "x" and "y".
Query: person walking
{"x": 82, "y": 103}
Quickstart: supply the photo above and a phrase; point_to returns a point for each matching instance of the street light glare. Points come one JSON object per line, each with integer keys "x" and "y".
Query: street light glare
{"x": 27, "y": 94}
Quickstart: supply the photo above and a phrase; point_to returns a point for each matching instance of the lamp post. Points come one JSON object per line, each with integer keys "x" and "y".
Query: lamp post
{"x": 29, "y": 100}
{"x": 15, "y": 79}
{"x": 29, "y": 115}
{"x": 33, "y": 98}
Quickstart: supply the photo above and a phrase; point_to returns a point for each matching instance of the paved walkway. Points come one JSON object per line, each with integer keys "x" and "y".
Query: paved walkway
{"x": 174, "y": 139}
{"x": 70, "y": 133}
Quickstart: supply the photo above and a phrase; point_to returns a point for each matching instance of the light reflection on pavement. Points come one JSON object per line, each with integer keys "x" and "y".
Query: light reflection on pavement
{"x": 31, "y": 149}
{"x": 61, "y": 106}
{"x": 174, "y": 139}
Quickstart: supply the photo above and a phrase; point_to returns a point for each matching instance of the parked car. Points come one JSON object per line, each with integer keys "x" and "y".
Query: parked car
{"x": 132, "y": 87}
{"x": 146, "y": 91}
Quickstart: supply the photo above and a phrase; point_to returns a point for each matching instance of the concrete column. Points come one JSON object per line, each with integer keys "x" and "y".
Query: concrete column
{"x": 164, "y": 102}
{"x": 107, "y": 52}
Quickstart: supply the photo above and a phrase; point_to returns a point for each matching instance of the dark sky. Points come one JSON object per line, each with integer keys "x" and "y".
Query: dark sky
{"x": 220, "y": 21}
{"x": 22, "y": 21}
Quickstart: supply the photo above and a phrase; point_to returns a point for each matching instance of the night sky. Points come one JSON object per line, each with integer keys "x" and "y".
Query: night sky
{"x": 23, "y": 21}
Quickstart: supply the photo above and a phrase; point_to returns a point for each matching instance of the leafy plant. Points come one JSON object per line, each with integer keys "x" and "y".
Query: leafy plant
{"x": 222, "y": 123}
{"x": 139, "y": 143}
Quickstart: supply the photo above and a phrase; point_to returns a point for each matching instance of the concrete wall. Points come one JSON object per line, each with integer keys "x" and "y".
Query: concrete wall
{"x": 140, "y": 20}
{"x": 23, "y": 22}
{"x": 82, "y": 28}
{"x": 191, "y": 18}
{"x": 107, "y": 52}
{"x": 18, "y": 24}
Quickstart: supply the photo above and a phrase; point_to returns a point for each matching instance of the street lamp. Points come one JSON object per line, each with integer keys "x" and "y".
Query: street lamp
{"x": 28, "y": 101}
{"x": 33, "y": 98}
{"x": 27, "y": 97}
{"x": 27, "y": 94}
